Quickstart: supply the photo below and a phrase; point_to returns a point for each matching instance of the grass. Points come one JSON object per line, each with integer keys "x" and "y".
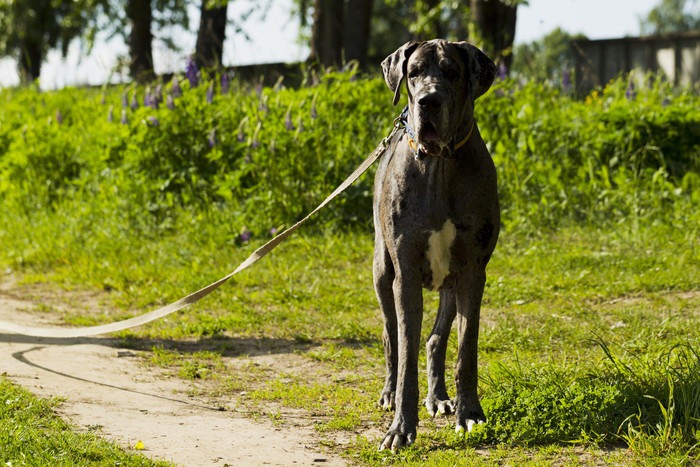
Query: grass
{"x": 32, "y": 434}
{"x": 589, "y": 349}
{"x": 588, "y": 352}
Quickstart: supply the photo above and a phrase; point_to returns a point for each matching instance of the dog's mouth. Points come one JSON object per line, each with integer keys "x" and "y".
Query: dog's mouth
{"x": 429, "y": 140}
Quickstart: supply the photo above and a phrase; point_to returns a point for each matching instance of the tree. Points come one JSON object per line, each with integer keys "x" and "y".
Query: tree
{"x": 327, "y": 33}
{"x": 494, "y": 27}
{"x": 211, "y": 34}
{"x": 672, "y": 16}
{"x": 356, "y": 30}
{"x": 545, "y": 58}
{"x": 30, "y": 28}
{"x": 140, "y": 40}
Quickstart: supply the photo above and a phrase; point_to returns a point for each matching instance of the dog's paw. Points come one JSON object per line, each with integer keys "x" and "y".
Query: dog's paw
{"x": 468, "y": 426}
{"x": 395, "y": 440}
{"x": 438, "y": 406}
{"x": 388, "y": 400}
{"x": 468, "y": 414}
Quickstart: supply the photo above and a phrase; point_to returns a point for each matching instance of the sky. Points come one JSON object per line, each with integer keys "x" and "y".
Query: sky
{"x": 274, "y": 38}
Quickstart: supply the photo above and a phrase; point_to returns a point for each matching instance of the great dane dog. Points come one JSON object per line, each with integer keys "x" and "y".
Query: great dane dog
{"x": 436, "y": 219}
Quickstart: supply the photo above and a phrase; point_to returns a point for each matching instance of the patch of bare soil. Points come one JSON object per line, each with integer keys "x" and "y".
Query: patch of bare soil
{"x": 105, "y": 389}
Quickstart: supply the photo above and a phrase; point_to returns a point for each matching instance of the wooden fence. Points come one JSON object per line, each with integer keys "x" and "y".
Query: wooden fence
{"x": 599, "y": 61}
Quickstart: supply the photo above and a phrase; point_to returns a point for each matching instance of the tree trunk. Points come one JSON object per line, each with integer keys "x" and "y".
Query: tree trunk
{"x": 140, "y": 40}
{"x": 29, "y": 61}
{"x": 495, "y": 26}
{"x": 210, "y": 36}
{"x": 356, "y": 31}
{"x": 327, "y": 33}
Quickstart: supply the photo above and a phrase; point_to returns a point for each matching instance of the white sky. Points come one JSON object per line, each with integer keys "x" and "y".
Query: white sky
{"x": 274, "y": 38}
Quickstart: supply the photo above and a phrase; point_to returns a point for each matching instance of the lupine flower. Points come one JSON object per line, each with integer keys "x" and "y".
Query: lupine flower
{"x": 102, "y": 98}
{"x": 59, "y": 117}
{"x": 566, "y": 80}
{"x": 158, "y": 94}
{"x": 192, "y": 72}
{"x": 110, "y": 115}
{"x": 147, "y": 97}
{"x": 631, "y": 94}
{"x": 210, "y": 93}
{"x": 153, "y": 121}
{"x": 240, "y": 137}
{"x": 125, "y": 119}
{"x": 288, "y": 121}
{"x": 125, "y": 100}
{"x": 225, "y": 81}
{"x": 244, "y": 236}
{"x": 502, "y": 71}
{"x": 134, "y": 102}
{"x": 175, "y": 89}
{"x": 255, "y": 144}
{"x": 170, "y": 102}
{"x": 314, "y": 113}
{"x": 212, "y": 138}
{"x": 665, "y": 103}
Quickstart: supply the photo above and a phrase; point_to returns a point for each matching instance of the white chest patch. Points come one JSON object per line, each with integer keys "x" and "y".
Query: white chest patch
{"x": 439, "y": 245}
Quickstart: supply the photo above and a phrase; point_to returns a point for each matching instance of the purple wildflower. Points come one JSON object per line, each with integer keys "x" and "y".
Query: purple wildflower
{"x": 170, "y": 102}
{"x": 244, "y": 236}
{"x": 125, "y": 100}
{"x": 288, "y": 121}
{"x": 273, "y": 231}
{"x": 153, "y": 121}
{"x": 110, "y": 114}
{"x": 59, "y": 117}
{"x": 631, "y": 94}
{"x": 212, "y": 138}
{"x": 103, "y": 98}
{"x": 147, "y": 98}
{"x": 175, "y": 88}
{"x": 666, "y": 102}
{"x": 255, "y": 144}
{"x": 566, "y": 80}
{"x": 192, "y": 72}
{"x": 134, "y": 102}
{"x": 502, "y": 71}
{"x": 314, "y": 113}
{"x": 240, "y": 137}
{"x": 225, "y": 82}
{"x": 210, "y": 93}
{"x": 158, "y": 95}
{"x": 125, "y": 119}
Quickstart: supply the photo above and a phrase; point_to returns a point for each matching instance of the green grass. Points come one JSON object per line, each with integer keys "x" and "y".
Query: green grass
{"x": 32, "y": 434}
{"x": 589, "y": 344}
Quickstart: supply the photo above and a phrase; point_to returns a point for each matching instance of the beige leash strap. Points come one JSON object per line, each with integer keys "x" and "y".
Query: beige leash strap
{"x": 196, "y": 296}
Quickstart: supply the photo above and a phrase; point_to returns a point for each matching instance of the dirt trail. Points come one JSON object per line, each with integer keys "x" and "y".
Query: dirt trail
{"x": 107, "y": 390}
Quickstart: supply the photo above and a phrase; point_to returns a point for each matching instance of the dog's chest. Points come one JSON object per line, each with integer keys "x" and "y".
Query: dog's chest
{"x": 439, "y": 255}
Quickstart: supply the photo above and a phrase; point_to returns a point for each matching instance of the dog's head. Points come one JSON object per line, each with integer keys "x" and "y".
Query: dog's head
{"x": 443, "y": 79}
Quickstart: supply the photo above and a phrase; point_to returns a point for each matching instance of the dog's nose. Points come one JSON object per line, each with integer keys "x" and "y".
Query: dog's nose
{"x": 429, "y": 101}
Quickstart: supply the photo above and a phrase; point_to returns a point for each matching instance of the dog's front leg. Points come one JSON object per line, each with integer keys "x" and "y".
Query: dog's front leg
{"x": 470, "y": 290}
{"x": 437, "y": 401}
{"x": 409, "y": 311}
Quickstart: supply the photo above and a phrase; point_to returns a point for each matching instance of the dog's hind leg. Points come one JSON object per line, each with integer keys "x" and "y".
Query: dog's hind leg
{"x": 383, "y": 283}
{"x": 437, "y": 401}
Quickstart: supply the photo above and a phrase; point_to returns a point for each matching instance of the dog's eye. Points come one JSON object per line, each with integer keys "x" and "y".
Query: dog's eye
{"x": 414, "y": 72}
{"x": 451, "y": 74}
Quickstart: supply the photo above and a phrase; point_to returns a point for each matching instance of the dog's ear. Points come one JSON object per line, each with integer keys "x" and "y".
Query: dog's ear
{"x": 394, "y": 68}
{"x": 481, "y": 68}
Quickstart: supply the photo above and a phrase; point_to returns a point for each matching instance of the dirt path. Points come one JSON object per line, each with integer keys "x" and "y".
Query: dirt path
{"x": 107, "y": 390}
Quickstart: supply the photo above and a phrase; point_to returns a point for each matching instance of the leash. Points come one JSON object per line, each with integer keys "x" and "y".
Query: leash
{"x": 61, "y": 332}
